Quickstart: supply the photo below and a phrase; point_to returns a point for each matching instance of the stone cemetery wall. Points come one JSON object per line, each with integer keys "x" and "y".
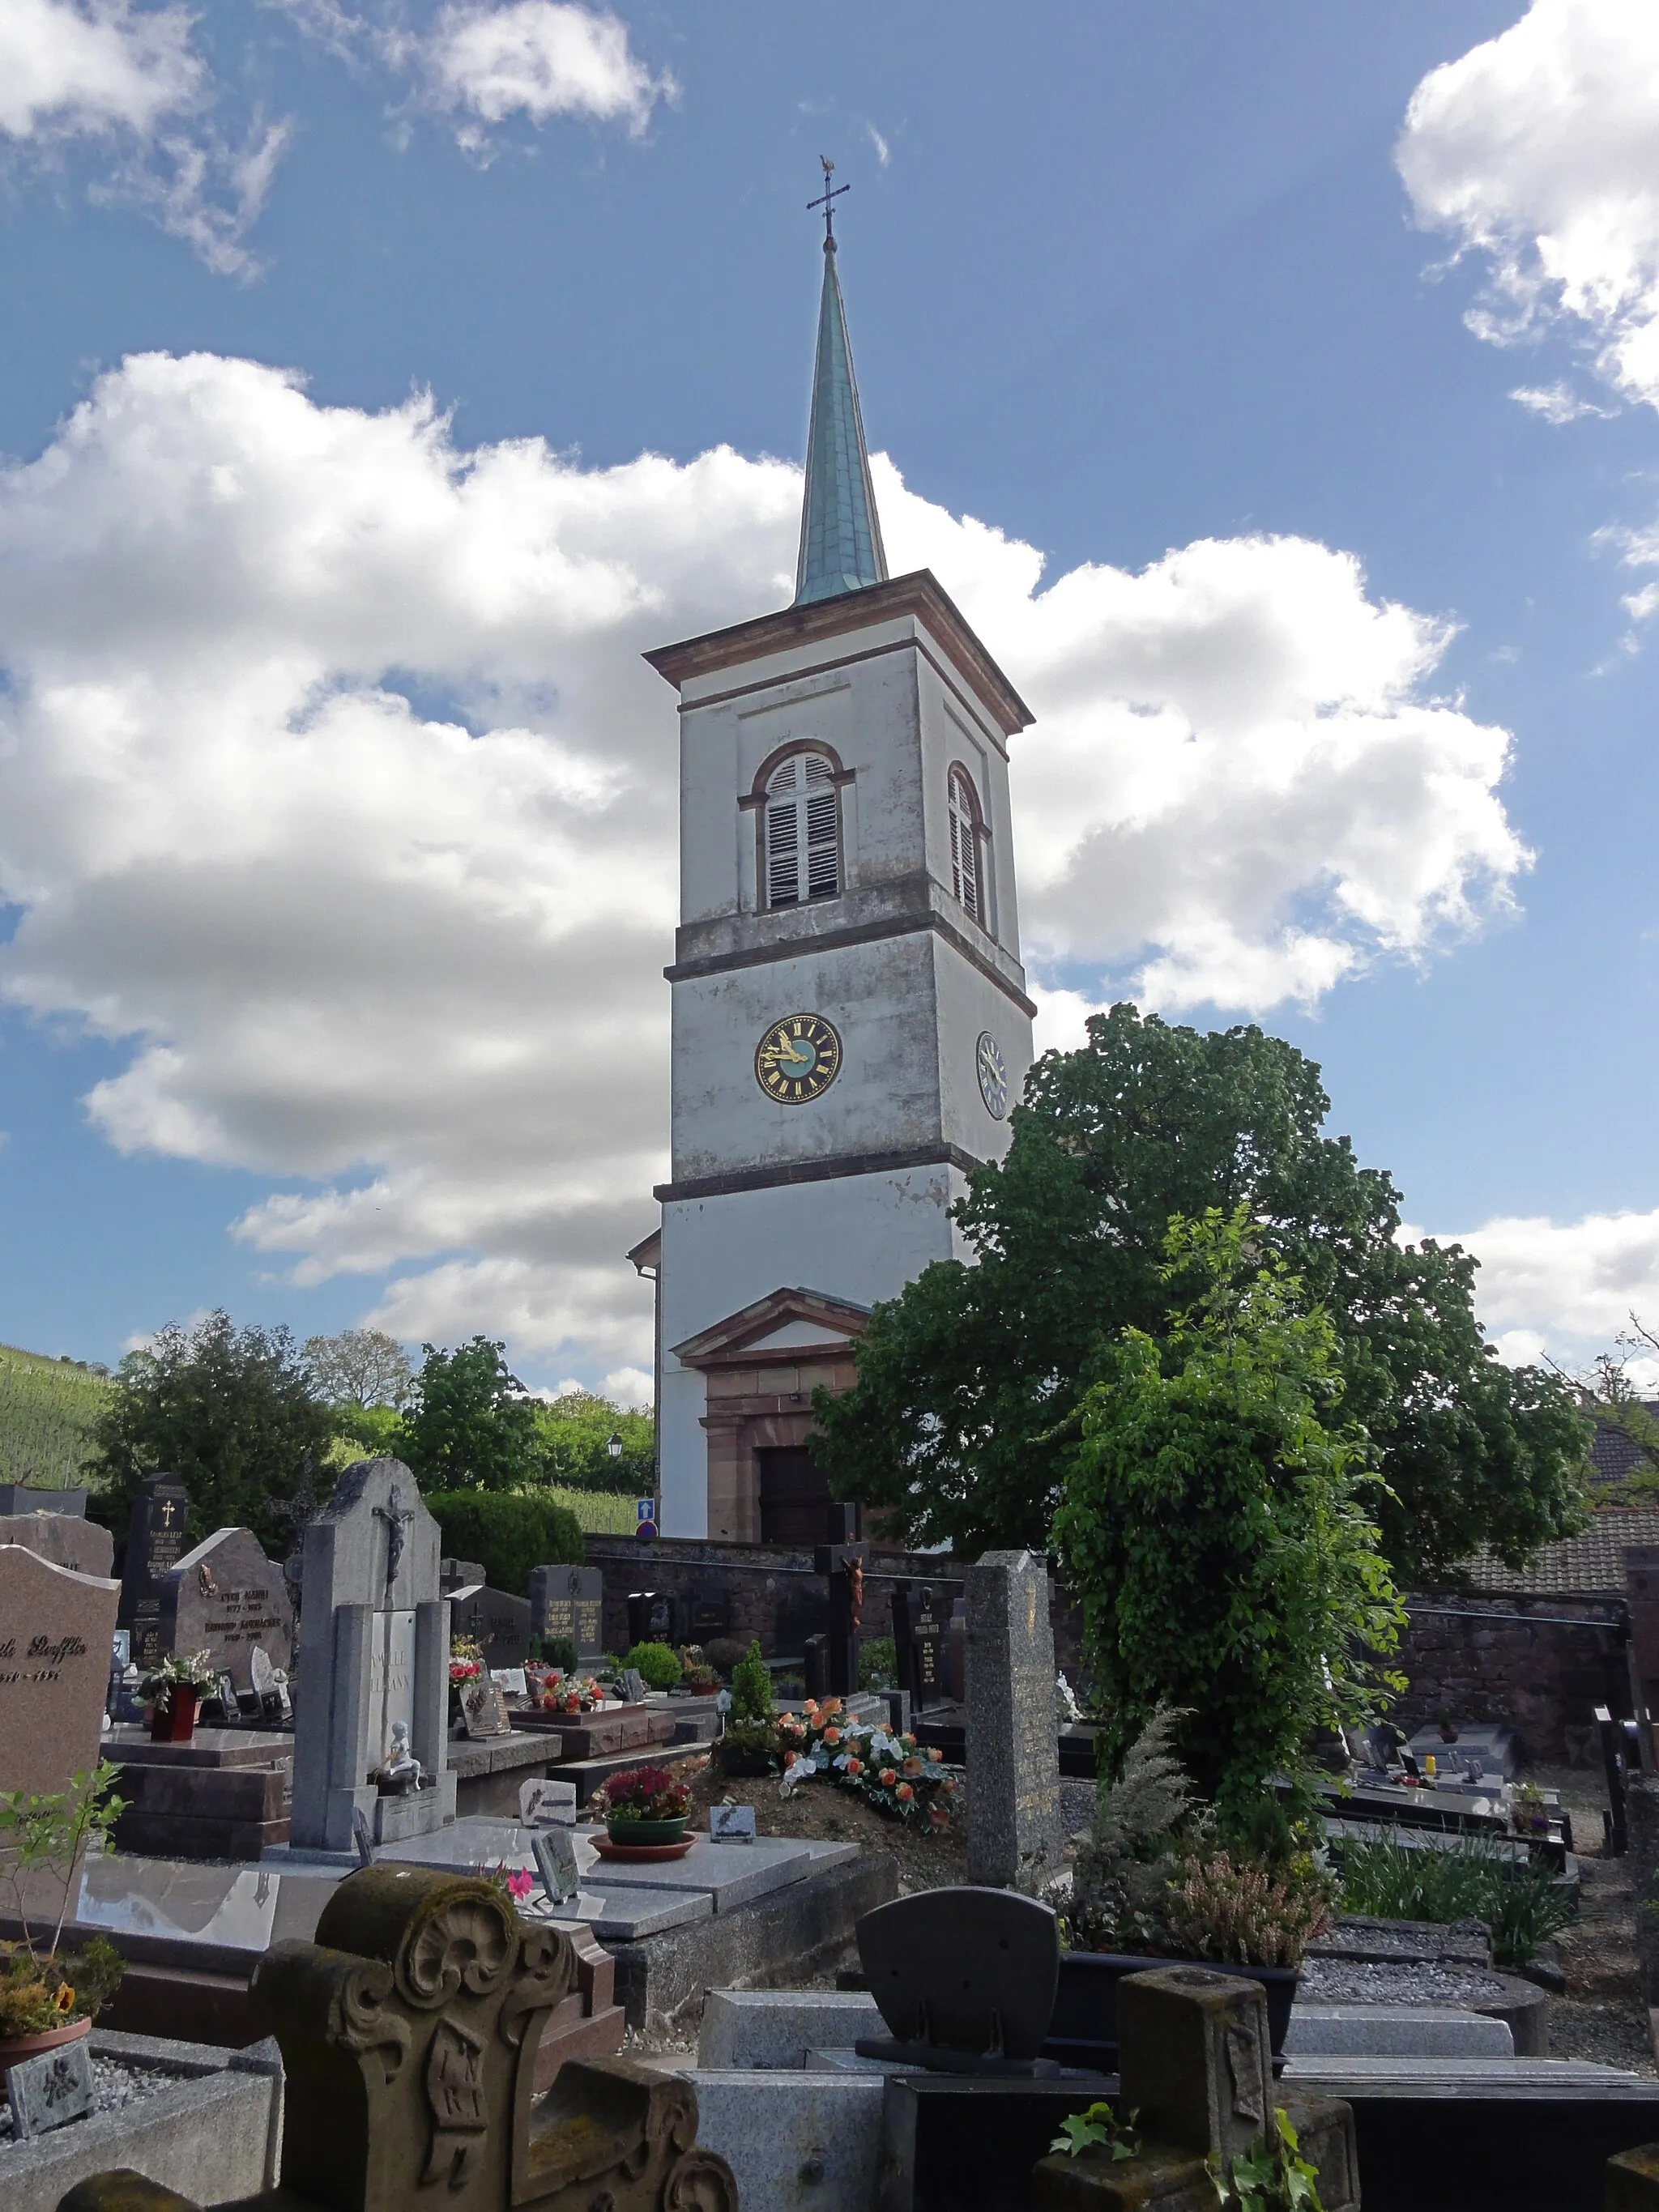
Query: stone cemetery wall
{"x": 1541, "y": 1664}
{"x": 55, "y": 1631}
{"x": 771, "y": 1591}
{"x": 225, "y": 1598}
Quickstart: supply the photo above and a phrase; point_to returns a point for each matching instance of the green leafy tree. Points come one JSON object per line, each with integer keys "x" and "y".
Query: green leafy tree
{"x": 469, "y": 1426}
{"x": 960, "y": 1428}
{"x": 575, "y": 1430}
{"x": 1213, "y": 1525}
{"x": 229, "y": 1411}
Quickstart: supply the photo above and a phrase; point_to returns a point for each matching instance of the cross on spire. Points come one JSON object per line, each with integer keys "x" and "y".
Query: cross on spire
{"x": 831, "y": 194}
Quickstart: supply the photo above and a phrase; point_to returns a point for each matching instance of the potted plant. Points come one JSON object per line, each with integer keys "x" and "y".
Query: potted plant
{"x": 1153, "y": 1884}
{"x": 174, "y": 1691}
{"x": 749, "y": 1741}
{"x": 49, "y": 1996}
{"x": 646, "y": 1806}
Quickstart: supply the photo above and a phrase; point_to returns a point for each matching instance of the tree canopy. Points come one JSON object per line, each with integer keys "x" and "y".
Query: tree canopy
{"x": 1215, "y": 1524}
{"x": 470, "y": 1425}
{"x": 360, "y": 1367}
{"x": 575, "y": 1430}
{"x": 230, "y": 1412}
{"x": 962, "y": 1423}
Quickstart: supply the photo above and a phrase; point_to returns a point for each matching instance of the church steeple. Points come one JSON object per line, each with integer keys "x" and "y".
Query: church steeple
{"x": 841, "y": 547}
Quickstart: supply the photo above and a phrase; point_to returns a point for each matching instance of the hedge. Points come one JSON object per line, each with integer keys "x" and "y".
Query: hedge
{"x": 507, "y": 1534}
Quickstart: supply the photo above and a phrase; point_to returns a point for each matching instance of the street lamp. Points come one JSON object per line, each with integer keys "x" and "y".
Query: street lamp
{"x": 615, "y": 1447}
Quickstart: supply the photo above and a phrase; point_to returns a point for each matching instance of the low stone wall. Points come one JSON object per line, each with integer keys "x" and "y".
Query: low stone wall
{"x": 1540, "y": 1664}
{"x": 769, "y": 1590}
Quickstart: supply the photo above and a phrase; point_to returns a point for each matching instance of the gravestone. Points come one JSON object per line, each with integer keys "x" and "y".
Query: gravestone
{"x": 66, "y": 1539}
{"x": 55, "y": 1628}
{"x": 155, "y": 1544}
{"x": 376, "y": 1657}
{"x": 1014, "y": 1825}
{"x": 650, "y": 1617}
{"x": 927, "y": 1675}
{"x": 50, "y": 2091}
{"x": 965, "y": 1979}
{"x": 225, "y": 1598}
{"x": 707, "y": 1612}
{"x": 497, "y": 1623}
{"x": 569, "y": 1601}
{"x": 17, "y": 1498}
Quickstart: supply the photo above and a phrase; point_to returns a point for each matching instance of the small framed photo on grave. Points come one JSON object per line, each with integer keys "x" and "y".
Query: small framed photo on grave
{"x": 121, "y": 1654}
{"x": 228, "y": 1704}
{"x": 483, "y": 1708}
{"x": 510, "y": 1681}
{"x": 731, "y": 1824}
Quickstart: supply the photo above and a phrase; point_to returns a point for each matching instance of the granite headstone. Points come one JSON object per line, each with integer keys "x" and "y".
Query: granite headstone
{"x": 1014, "y": 1825}
{"x": 498, "y": 1623}
{"x": 155, "y": 1544}
{"x": 66, "y": 1539}
{"x": 376, "y": 1654}
{"x": 569, "y": 1601}
{"x": 55, "y": 1628}
{"x": 224, "y": 1598}
{"x": 49, "y": 2091}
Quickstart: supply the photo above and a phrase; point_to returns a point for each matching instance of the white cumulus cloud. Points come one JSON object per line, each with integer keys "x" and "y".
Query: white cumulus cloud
{"x": 539, "y": 58}
{"x": 1539, "y": 150}
{"x": 333, "y": 787}
{"x": 1564, "y": 1290}
{"x": 127, "y": 78}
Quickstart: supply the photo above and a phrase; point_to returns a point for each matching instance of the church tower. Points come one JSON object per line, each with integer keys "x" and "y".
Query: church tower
{"x": 850, "y": 1020}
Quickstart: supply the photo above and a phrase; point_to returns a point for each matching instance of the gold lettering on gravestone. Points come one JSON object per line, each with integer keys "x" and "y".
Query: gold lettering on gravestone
{"x": 589, "y": 1612}
{"x": 561, "y": 1618}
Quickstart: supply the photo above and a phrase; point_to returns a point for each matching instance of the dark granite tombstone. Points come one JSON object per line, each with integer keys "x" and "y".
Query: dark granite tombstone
{"x": 155, "y": 1544}
{"x": 707, "y": 1612}
{"x": 650, "y": 1617}
{"x": 965, "y": 1978}
{"x": 412, "y": 2031}
{"x": 954, "y": 1660}
{"x": 226, "y": 1598}
{"x": 24, "y": 1498}
{"x": 497, "y": 1623}
{"x": 569, "y": 1601}
{"x": 461, "y": 1574}
{"x": 927, "y": 1644}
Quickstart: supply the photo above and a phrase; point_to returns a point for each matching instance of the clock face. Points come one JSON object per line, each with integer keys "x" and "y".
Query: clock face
{"x": 798, "y": 1059}
{"x": 993, "y": 1071}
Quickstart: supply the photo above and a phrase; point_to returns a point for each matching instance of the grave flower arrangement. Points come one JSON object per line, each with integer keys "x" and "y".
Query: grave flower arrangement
{"x": 48, "y": 1995}
{"x": 515, "y": 1883}
{"x": 892, "y": 1772}
{"x": 465, "y": 1660}
{"x": 645, "y": 1805}
{"x": 174, "y": 1689}
{"x": 570, "y": 1693}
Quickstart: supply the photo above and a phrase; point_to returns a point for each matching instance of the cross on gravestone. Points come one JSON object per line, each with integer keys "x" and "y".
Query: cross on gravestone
{"x": 843, "y": 1567}
{"x": 155, "y": 1544}
{"x": 376, "y": 1660}
{"x": 1014, "y": 1825}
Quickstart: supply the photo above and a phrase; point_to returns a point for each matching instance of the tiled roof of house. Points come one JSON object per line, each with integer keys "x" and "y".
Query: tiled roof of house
{"x": 1614, "y": 1454}
{"x": 1589, "y": 1566}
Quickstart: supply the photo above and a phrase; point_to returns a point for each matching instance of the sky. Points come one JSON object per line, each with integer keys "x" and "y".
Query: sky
{"x": 1274, "y": 388}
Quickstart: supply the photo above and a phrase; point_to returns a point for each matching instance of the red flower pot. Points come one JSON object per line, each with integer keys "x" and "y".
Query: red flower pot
{"x": 13, "y": 2049}
{"x": 176, "y": 1724}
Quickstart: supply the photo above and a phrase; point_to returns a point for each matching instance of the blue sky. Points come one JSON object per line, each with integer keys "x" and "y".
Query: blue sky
{"x": 336, "y": 832}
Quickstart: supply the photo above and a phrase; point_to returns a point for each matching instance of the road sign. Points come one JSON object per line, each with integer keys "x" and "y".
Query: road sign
{"x": 645, "y": 1518}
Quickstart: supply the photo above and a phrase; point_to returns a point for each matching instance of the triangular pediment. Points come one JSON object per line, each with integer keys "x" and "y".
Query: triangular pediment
{"x": 783, "y": 1323}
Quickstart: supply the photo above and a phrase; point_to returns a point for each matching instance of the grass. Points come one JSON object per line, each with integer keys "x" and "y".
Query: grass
{"x": 1473, "y": 1880}
{"x": 48, "y": 1407}
{"x": 600, "y": 1512}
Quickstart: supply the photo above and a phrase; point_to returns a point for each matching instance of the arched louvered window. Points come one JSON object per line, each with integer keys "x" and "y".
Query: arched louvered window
{"x": 966, "y": 854}
{"x": 803, "y": 831}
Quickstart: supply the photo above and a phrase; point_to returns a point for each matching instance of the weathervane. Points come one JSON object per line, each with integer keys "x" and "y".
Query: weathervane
{"x": 831, "y": 194}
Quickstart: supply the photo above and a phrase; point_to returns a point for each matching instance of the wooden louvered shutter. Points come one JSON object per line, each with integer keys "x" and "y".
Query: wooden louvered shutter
{"x": 803, "y": 832}
{"x": 964, "y": 845}
{"x": 823, "y": 830}
{"x": 782, "y": 848}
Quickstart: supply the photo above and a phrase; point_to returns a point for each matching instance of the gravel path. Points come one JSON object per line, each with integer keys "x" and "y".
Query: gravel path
{"x": 113, "y": 2085}
{"x": 1601, "y": 2017}
{"x": 1345, "y": 1981}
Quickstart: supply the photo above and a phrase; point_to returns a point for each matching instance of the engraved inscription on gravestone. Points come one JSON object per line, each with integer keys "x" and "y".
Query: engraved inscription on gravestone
{"x": 47, "y": 2091}
{"x": 223, "y": 1598}
{"x": 56, "y": 1631}
{"x": 155, "y": 1544}
{"x": 569, "y": 1601}
{"x": 390, "y": 1678}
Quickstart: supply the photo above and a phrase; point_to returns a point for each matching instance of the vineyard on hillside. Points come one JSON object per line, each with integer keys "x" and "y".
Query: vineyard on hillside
{"x": 48, "y": 1407}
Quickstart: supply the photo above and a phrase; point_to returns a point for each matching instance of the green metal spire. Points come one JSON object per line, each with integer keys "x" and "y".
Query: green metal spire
{"x": 841, "y": 547}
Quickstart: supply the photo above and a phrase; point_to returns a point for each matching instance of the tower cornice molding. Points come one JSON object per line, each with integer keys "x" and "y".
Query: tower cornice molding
{"x": 919, "y": 595}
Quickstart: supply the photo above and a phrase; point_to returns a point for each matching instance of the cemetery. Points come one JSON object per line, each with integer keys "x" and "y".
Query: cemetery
{"x": 792, "y": 1942}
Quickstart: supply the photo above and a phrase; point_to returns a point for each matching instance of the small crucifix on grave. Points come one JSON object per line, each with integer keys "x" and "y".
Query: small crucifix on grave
{"x": 843, "y": 1567}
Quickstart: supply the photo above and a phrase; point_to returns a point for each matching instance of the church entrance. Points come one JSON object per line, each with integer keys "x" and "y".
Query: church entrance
{"x": 794, "y": 1496}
